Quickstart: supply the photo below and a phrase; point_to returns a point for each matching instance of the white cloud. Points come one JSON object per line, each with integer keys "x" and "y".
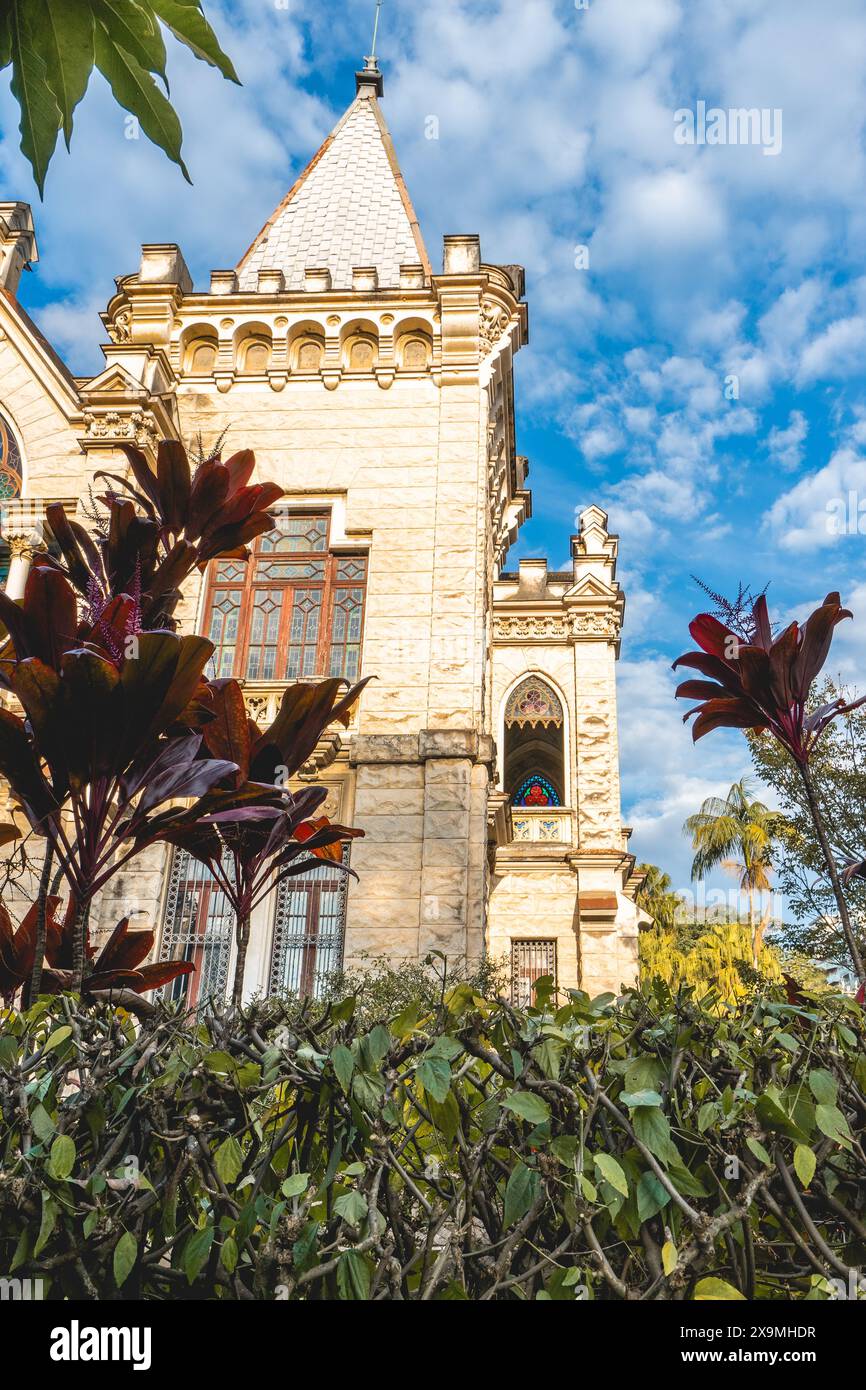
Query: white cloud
{"x": 824, "y": 508}
{"x": 786, "y": 445}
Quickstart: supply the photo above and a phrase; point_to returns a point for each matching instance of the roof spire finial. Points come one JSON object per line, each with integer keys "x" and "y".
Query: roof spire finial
{"x": 375, "y": 31}
{"x": 369, "y": 81}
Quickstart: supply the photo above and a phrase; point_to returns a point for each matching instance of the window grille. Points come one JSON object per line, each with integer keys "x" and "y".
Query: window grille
{"x": 529, "y": 961}
{"x": 198, "y": 927}
{"x": 309, "y": 927}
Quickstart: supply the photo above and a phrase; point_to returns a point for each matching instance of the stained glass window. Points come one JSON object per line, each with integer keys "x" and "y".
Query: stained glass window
{"x": 537, "y": 791}
{"x": 294, "y": 612}
{"x": 533, "y": 703}
{"x": 10, "y": 462}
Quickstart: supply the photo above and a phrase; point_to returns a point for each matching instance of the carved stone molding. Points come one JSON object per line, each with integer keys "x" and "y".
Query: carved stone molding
{"x": 530, "y": 628}
{"x": 114, "y": 424}
{"x": 596, "y": 625}
{"x": 493, "y": 321}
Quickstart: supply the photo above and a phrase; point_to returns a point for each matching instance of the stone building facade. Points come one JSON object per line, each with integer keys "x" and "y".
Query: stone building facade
{"x": 482, "y": 762}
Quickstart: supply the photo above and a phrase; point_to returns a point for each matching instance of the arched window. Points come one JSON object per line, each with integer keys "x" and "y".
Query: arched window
{"x": 536, "y": 790}
{"x": 534, "y": 745}
{"x": 11, "y": 471}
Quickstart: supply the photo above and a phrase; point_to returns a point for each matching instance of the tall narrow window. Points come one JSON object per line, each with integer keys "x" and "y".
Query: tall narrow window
{"x": 197, "y": 927}
{"x": 10, "y": 461}
{"x": 293, "y": 612}
{"x": 309, "y": 926}
{"x": 530, "y": 960}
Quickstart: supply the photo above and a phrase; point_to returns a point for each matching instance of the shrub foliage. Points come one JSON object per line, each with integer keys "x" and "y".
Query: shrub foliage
{"x": 644, "y": 1148}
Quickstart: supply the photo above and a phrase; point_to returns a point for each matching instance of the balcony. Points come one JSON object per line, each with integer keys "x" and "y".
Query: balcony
{"x": 542, "y": 825}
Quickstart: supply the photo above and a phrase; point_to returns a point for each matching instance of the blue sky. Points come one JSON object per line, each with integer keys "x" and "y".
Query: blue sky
{"x": 706, "y": 263}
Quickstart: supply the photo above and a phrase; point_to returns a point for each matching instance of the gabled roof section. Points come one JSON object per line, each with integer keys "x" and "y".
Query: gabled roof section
{"x": 350, "y": 207}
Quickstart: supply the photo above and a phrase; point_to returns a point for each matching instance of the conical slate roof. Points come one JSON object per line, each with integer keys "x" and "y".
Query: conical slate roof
{"x": 350, "y": 207}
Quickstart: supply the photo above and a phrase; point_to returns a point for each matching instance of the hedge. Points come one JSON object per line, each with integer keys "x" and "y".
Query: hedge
{"x": 640, "y": 1148}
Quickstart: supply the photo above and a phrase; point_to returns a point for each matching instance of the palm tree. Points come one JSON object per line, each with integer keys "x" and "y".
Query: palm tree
{"x": 656, "y": 897}
{"x": 738, "y": 834}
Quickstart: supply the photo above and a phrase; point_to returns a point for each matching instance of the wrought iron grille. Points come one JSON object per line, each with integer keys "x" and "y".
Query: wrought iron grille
{"x": 529, "y": 961}
{"x": 198, "y": 926}
{"x": 309, "y": 927}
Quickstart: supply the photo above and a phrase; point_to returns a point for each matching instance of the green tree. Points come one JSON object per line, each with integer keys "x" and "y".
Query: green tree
{"x": 717, "y": 960}
{"x": 838, "y": 770}
{"x": 737, "y": 833}
{"x": 656, "y": 896}
{"x": 53, "y": 48}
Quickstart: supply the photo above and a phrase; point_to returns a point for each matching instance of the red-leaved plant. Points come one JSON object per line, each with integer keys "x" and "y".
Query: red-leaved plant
{"x": 762, "y": 682}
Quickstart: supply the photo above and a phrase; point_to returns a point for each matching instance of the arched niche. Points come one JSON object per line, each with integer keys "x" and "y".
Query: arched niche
{"x": 252, "y": 349}
{"x": 306, "y": 347}
{"x": 413, "y": 344}
{"x": 199, "y": 350}
{"x": 534, "y": 747}
{"x": 360, "y": 345}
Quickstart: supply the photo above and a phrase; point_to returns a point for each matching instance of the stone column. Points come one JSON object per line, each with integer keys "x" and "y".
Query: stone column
{"x": 21, "y": 553}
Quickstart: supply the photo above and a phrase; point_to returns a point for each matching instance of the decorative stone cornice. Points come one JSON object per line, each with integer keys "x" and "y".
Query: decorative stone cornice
{"x": 530, "y": 627}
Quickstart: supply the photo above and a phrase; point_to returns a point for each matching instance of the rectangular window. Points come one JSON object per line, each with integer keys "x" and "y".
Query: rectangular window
{"x": 309, "y": 927}
{"x": 198, "y": 927}
{"x": 294, "y": 611}
{"x": 529, "y": 961}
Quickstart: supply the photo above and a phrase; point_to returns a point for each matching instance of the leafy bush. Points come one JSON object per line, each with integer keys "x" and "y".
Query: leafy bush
{"x": 637, "y": 1149}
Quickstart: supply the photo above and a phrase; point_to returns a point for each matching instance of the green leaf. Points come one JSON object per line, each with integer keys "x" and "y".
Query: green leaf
{"x": 63, "y": 37}
{"x": 634, "y": 1098}
{"x": 57, "y": 1037}
{"x": 520, "y": 1192}
{"x": 43, "y": 1125}
{"x": 669, "y": 1257}
{"x": 196, "y": 1253}
{"x": 446, "y": 1117}
{"x": 528, "y": 1106}
{"x": 133, "y": 88}
{"x": 607, "y": 1166}
{"x": 548, "y": 1055}
{"x": 129, "y": 26}
{"x": 759, "y": 1151}
{"x": 652, "y": 1128}
{"x": 823, "y": 1086}
{"x": 651, "y": 1196}
{"x": 62, "y": 1159}
{"x": 295, "y": 1185}
{"x": 40, "y": 114}
{"x": 805, "y": 1163}
{"x": 717, "y": 1289}
{"x": 378, "y": 1045}
{"x": 344, "y": 1066}
{"x": 353, "y": 1277}
{"x": 229, "y": 1160}
{"x": 434, "y": 1074}
{"x": 368, "y": 1090}
{"x": 304, "y": 1248}
{"x": 229, "y": 1254}
{"x": 50, "y": 1213}
{"x": 446, "y": 1047}
{"x": 125, "y": 1256}
{"x": 832, "y": 1122}
{"x": 186, "y": 21}
{"x": 352, "y": 1207}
